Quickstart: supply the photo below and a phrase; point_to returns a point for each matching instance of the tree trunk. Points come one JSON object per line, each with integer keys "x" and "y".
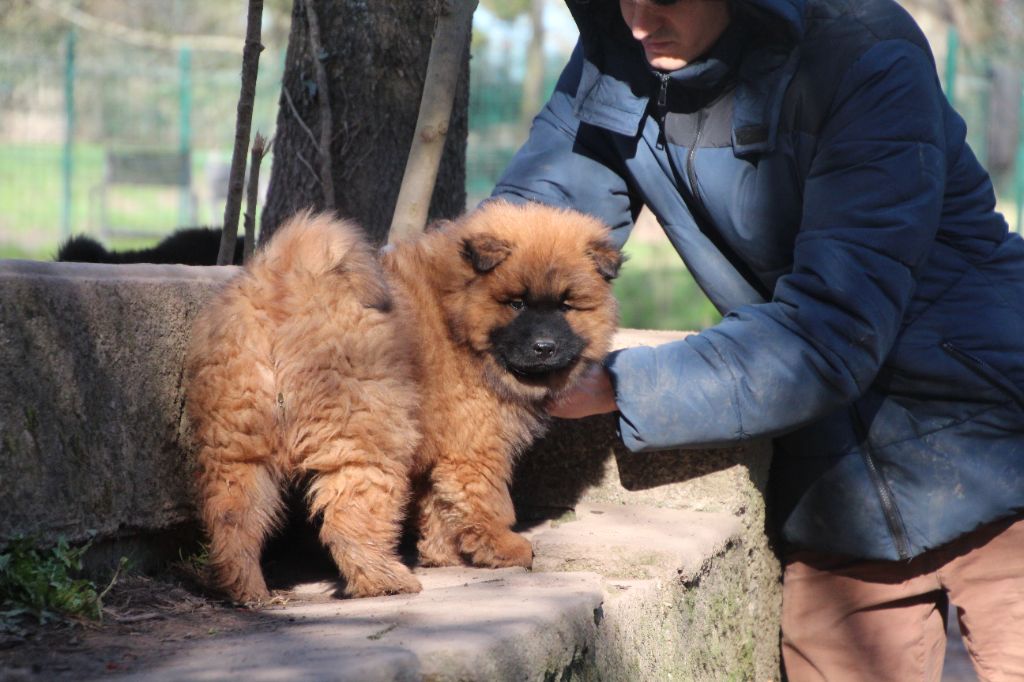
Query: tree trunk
{"x": 375, "y": 57}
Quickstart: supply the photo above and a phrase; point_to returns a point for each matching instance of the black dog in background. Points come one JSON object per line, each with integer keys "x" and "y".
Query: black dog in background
{"x": 188, "y": 246}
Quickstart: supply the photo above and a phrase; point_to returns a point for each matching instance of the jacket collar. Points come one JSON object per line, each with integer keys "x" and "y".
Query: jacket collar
{"x": 616, "y": 82}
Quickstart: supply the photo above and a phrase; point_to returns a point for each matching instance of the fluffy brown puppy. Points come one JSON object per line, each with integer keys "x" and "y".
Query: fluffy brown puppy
{"x": 511, "y": 304}
{"x": 301, "y": 367}
{"x": 435, "y": 368}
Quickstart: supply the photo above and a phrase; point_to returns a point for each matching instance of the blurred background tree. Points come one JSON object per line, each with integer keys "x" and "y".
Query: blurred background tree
{"x": 375, "y": 58}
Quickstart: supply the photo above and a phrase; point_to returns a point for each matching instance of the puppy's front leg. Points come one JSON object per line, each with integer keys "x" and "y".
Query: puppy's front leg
{"x": 475, "y": 489}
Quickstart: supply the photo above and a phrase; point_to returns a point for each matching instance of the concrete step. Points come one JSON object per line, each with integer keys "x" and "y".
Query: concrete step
{"x": 611, "y": 598}
{"x": 467, "y": 624}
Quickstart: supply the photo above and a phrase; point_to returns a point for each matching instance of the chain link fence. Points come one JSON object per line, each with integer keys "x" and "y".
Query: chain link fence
{"x": 988, "y": 92}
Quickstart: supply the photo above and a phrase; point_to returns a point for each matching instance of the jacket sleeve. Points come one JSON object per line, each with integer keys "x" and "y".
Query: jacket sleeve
{"x": 569, "y": 164}
{"x": 872, "y": 203}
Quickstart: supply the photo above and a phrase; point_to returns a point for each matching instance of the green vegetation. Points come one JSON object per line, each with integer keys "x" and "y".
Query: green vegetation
{"x": 656, "y": 292}
{"x": 195, "y": 564}
{"x": 46, "y": 584}
{"x": 31, "y": 194}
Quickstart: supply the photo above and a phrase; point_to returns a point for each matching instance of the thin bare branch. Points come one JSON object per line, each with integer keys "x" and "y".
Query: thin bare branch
{"x": 324, "y": 102}
{"x": 243, "y": 124}
{"x": 309, "y": 167}
{"x": 133, "y": 36}
{"x": 302, "y": 123}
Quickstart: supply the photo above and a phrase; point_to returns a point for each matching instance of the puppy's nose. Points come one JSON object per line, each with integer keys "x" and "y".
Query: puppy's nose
{"x": 544, "y": 348}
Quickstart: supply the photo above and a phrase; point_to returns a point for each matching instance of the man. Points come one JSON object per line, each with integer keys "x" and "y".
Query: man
{"x": 804, "y": 163}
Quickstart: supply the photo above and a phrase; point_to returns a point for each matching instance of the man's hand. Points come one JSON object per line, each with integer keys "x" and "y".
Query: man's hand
{"x": 593, "y": 394}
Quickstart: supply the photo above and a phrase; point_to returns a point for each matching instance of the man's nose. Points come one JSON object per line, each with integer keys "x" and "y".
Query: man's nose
{"x": 642, "y": 22}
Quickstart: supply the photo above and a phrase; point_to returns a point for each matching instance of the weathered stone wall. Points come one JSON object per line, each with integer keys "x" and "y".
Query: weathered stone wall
{"x": 91, "y": 423}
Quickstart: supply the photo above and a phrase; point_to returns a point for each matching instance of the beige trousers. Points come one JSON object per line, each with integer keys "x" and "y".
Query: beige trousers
{"x": 844, "y": 619}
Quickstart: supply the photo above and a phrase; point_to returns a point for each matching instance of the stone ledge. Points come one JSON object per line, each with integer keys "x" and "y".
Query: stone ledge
{"x": 635, "y": 542}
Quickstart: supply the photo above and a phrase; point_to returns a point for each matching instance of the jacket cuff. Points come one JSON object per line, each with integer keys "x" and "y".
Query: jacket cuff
{"x": 634, "y": 381}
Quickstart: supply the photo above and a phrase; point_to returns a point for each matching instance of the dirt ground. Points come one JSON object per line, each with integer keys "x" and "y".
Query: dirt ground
{"x": 143, "y": 619}
{"x": 149, "y": 618}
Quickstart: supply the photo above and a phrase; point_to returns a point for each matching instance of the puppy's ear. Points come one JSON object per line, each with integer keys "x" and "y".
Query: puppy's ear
{"x": 607, "y": 258}
{"x": 485, "y": 252}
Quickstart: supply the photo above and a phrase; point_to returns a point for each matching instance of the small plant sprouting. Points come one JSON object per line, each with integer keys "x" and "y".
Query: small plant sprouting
{"x": 45, "y": 584}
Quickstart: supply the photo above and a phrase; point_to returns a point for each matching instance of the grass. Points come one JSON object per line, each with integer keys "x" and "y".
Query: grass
{"x": 31, "y": 200}
{"x": 655, "y": 291}
{"x": 46, "y": 584}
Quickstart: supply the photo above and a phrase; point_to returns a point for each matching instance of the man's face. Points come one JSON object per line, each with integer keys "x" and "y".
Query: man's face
{"x": 674, "y": 35}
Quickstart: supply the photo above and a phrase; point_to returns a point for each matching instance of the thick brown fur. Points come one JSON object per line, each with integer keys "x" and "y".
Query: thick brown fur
{"x": 318, "y": 361}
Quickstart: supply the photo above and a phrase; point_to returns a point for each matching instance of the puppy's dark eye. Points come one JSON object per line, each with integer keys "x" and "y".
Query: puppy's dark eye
{"x": 517, "y": 304}
{"x": 565, "y": 306}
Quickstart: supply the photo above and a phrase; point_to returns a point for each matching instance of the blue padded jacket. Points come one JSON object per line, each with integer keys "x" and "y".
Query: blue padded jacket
{"x": 824, "y": 198}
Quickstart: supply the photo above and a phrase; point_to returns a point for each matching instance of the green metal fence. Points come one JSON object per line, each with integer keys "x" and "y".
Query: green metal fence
{"x": 79, "y": 115}
{"x": 75, "y": 108}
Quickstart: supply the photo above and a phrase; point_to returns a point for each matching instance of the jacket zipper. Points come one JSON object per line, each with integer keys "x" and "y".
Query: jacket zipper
{"x": 691, "y": 167}
{"x": 892, "y": 515}
{"x": 986, "y": 372}
{"x": 662, "y": 108}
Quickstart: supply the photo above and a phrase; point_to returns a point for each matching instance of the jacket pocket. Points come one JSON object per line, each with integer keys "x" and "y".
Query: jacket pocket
{"x": 986, "y": 372}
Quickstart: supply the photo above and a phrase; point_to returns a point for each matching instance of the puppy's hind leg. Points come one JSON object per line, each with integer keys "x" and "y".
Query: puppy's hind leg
{"x": 241, "y": 505}
{"x": 362, "y": 507}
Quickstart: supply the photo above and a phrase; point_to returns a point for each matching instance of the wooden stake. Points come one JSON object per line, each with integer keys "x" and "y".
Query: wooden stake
{"x": 260, "y": 147}
{"x": 443, "y": 69}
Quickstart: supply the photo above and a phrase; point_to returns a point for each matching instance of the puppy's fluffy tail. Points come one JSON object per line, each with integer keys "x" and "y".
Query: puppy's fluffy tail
{"x": 313, "y": 243}
{"x": 319, "y": 248}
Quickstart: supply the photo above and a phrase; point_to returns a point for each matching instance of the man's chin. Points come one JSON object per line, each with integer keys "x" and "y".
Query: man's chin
{"x": 665, "y": 63}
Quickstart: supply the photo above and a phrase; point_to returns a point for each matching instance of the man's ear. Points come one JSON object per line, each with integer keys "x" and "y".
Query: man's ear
{"x": 485, "y": 252}
{"x": 607, "y": 258}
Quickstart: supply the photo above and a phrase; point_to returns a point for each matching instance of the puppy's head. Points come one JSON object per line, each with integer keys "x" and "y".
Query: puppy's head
{"x": 534, "y": 299}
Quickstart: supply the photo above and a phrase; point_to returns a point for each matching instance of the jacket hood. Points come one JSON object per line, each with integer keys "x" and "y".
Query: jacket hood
{"x": 788, "y": 14}
{"x": 615, "y": 84}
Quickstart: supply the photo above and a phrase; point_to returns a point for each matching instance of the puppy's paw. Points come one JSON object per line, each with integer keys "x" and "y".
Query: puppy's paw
{"x": 254, "y": 595}
{"x": 391, "y": 578}
{"x": 241, "y": 585}
{"x": 502, "y": 550}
